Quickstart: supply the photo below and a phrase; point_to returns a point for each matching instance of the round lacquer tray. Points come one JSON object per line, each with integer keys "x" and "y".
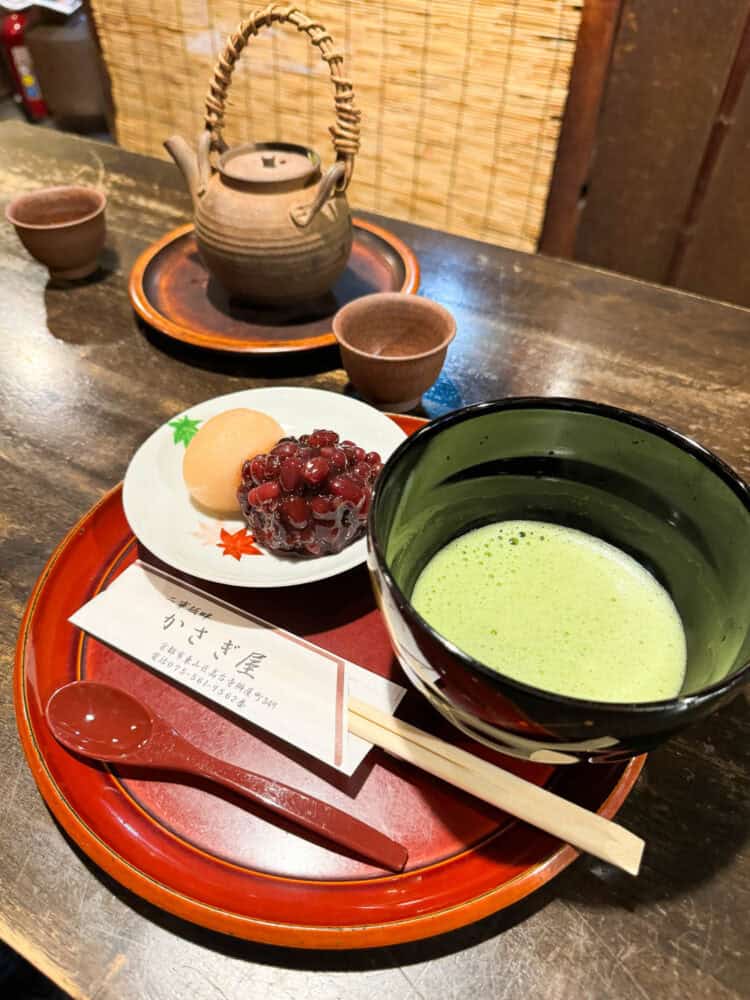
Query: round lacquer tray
{"x": 172, "y": 291}
{"x": 213, "y": 859}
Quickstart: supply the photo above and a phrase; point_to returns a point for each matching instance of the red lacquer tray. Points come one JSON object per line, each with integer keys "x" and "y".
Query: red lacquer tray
{"x": 212, "y": 859}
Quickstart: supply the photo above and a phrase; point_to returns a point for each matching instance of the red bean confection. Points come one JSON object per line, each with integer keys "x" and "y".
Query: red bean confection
{"x": 309, "y": 495}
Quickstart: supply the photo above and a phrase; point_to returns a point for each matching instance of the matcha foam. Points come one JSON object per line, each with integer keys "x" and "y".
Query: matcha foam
{"x": 557, "y": 609}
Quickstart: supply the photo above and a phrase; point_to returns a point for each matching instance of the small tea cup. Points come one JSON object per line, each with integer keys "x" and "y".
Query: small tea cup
{"x": 62, "y": 227}
{"x": 393, "y": 346}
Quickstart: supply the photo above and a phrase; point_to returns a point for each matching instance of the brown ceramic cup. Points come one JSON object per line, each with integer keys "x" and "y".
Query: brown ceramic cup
{"x": 62, "y": 227}
{"x": 393, "y": 346}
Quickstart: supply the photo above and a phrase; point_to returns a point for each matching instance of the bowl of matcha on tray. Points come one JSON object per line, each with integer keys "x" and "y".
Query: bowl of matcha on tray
{"x": 563, "y": 580}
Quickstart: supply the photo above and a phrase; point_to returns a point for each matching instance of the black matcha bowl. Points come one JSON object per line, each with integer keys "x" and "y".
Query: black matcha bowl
{"x": 657, "y": 495}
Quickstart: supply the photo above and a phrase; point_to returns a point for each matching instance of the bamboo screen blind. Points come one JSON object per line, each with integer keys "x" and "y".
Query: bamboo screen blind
{"x": 461, "y": 99}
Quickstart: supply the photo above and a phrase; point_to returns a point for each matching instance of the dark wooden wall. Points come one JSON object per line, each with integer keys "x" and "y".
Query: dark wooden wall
{"x": 663, "y": 185}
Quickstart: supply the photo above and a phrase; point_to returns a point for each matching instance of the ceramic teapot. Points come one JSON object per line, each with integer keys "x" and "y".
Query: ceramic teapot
{"x": 270, "y": 227}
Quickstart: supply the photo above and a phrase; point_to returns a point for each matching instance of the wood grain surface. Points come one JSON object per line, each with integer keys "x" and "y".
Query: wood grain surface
{"x": 575, "y": 147}
{"x": 82, "y": 384}
{"x": 669, "y": 69}
{"x": 715, "y": 255}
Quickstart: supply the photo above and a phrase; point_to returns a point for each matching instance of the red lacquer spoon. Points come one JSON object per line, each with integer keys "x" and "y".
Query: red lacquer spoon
{"x": 107, "y": 724}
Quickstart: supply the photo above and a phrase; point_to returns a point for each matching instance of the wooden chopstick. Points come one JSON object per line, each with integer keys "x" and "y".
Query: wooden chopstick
{"x": 537, "y": 806}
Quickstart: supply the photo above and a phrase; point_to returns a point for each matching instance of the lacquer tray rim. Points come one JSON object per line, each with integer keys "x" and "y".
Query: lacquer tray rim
{"x": 289, "y": 934}
{"x": 148, "y": 312}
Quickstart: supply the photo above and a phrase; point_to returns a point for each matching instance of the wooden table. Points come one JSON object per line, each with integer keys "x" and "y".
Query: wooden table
{"x": 82, "y": 385}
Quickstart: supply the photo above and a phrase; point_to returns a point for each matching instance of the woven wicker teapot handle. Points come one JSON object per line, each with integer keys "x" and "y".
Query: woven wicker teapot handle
{"x": 345, "y": 130}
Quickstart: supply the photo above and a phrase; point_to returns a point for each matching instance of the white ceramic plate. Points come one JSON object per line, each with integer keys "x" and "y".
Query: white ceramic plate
{"x": 162, "y": 516}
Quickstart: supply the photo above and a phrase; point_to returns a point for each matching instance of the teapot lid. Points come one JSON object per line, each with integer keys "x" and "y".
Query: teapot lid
{"x": 270, "y": 163}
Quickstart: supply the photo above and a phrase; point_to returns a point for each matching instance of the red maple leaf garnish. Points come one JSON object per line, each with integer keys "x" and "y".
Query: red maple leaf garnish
{"x": 238, "y": 544}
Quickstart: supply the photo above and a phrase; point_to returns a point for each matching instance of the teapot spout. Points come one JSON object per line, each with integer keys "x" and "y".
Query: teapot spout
{"x": 187, "y": 161}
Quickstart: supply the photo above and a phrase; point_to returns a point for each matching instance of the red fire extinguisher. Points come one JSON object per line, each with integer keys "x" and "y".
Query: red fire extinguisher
{"x": 25, "y": 82}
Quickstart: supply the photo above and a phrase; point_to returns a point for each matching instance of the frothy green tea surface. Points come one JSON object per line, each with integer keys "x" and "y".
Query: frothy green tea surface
{"x": 558, "y": 609}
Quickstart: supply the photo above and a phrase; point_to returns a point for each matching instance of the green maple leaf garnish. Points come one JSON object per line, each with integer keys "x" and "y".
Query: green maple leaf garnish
{"x": 185, "y": 430}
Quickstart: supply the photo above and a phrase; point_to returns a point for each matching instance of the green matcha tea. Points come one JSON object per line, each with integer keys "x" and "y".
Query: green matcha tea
{"x": 558, "y": 609}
